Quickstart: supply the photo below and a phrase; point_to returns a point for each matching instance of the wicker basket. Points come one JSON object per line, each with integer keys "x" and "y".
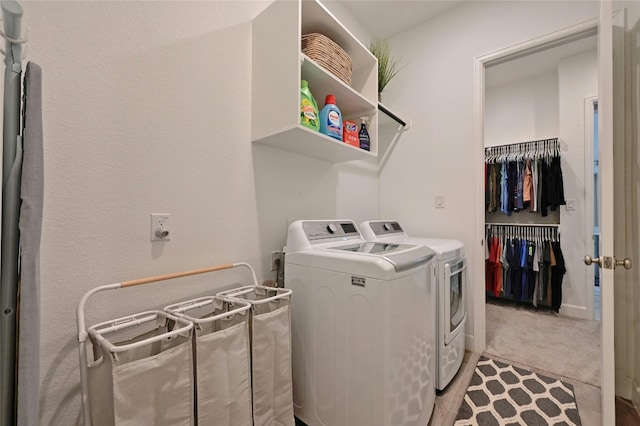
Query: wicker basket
{"x": 328, "y": 54}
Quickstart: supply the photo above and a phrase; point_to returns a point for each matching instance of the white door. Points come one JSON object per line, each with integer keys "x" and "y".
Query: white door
{"x": 605, "y": 127}
{"x": 610, "y": 99}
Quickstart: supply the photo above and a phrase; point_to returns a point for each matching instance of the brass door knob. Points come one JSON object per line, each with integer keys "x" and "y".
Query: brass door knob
{"x": 588, "y": 260}
{"x": 626, "y": 263}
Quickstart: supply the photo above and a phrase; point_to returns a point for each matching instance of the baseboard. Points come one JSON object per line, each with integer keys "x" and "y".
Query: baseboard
{"x": 574, "y": 311}
{"x": 469, "y": 344}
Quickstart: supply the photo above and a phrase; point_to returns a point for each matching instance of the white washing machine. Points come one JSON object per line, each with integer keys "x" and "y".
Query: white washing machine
{"x": 363, "y": 344}
{"x": 451, "y": 265}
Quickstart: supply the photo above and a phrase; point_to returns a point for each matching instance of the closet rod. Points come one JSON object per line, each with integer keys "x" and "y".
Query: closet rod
{"x": 392, "y": 115}
{"x": 550, "y": 140}
{"x": 548, "y": 225}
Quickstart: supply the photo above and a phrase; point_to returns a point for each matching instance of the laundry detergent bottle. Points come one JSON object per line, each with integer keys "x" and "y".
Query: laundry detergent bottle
{"x": 331, "y": 118}
{"x": 308, "y": 107}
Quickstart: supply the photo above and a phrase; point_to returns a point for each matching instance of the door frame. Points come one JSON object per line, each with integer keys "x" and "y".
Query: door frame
{"x": 590, "y": 191}
{"x": 566, "y": 35}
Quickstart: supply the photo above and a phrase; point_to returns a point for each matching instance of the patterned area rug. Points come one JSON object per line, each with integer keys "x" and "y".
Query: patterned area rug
{"x": 501, "y": 394}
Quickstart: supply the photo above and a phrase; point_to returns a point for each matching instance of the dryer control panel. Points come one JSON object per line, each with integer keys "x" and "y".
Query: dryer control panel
{"x": 386, "y": 228}
{"x": 330, "y": 229}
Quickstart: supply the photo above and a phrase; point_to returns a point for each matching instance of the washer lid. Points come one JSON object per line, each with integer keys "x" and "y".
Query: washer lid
{"x": 372, "y": 247}
{"x": 401, "y": 256}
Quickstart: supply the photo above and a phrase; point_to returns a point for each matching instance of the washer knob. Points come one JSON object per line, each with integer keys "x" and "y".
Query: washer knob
{"x": 332, "y": 228}
{"x": 388, "y": 227}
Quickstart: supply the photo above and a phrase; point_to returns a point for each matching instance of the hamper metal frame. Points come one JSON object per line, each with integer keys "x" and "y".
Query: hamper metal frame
{"x": 83, "y": 333}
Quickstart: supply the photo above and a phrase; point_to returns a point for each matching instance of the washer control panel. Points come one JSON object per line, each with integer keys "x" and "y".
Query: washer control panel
{"x": 330, "y": 230}
{"x": 386, "y": 228}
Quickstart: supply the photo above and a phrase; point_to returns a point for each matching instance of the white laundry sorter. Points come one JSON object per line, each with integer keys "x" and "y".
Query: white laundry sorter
{"x": 363, "y": 342}
{"x": 451, "y": 286}
{"x": 143, "y": 372}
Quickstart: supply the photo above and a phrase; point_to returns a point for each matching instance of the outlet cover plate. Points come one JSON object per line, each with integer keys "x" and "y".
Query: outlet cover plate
{"x": 160, "y": 221}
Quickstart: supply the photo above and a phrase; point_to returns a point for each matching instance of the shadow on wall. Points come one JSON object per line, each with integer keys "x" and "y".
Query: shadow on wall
{"x": 64, "y": 402}
{"x": 289, "y": 187}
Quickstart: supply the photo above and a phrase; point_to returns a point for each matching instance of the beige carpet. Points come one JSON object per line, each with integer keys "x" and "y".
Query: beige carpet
{"x": 542, "y": 339}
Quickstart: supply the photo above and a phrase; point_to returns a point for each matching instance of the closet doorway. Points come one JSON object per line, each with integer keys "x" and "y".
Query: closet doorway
{"x": 534, "y": 109}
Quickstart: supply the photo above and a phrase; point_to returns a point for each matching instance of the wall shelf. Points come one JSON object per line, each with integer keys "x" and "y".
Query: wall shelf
{"x": 278, "y": 65}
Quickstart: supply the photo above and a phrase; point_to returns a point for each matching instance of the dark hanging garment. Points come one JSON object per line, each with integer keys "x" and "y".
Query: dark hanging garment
{"x": 508, "y": 289}
{"x": 531, "y": 275}
{"x": 539, "y": 185}
{"x": 556, "y": 185}
{"x": 523, "y": 270}
{"x": 516, "y": 271}
{"x": 490, "y": 266}
{"x": 543, "y": 274}
{"x": 495, "y": 178}
{"x": 544, "y": 187}
{"x": 557, "y": 274}
{"x": 487, "y": 189}
{"x": 518, "y": 200}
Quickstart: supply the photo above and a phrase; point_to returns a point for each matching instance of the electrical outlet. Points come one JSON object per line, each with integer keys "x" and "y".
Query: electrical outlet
{"x": 275, "y": 257}
{"x": 160, "y": 226}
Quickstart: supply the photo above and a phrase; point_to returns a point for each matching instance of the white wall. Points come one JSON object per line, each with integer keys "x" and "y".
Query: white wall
{"x": 436, "y": 86}
{"x": 146, "y": 109}
{"x": 578, "y": 80}
{"x": 521, "y": 110}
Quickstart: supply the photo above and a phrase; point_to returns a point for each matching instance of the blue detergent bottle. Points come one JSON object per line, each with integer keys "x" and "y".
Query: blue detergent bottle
{"x": 331, "y": 118}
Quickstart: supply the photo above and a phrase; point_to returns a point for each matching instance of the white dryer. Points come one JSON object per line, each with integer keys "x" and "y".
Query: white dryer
{"x": 363, "y": 337}
{"x": 451, "y": 264}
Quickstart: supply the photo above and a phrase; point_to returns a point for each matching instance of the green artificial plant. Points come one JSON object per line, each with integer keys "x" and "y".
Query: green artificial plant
{"x": 388, "y": 67}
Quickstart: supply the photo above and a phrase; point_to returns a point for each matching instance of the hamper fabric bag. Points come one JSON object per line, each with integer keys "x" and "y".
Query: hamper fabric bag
{"x": 270, "y": 353}
{"x": 142, "y": 372}
{"x": 222, "y": 359}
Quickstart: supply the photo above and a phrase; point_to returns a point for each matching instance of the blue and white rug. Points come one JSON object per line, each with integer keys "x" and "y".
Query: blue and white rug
{"x": 503, "y": 395}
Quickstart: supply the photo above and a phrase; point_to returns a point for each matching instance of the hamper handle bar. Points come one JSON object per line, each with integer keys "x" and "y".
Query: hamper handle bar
{"x": 171, "y": 276}
{"x": 179, "y": 309}
{"x": 280, "y": 293}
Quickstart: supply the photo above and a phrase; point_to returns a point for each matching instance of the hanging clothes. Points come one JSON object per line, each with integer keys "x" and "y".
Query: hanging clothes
{"x": 525, "y": 264}
{"x": 557, "y": 275}
{"x": 525, "y": 176}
